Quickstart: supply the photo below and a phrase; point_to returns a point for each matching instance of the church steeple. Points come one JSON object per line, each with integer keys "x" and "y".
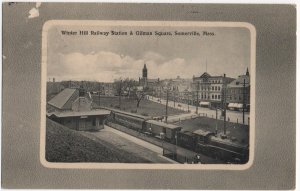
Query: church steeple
{"x": 247, "y": 72}
{"x": 145, "y": 71}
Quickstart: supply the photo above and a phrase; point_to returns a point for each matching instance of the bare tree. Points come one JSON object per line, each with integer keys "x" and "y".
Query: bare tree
{"x": 139, "y": 96}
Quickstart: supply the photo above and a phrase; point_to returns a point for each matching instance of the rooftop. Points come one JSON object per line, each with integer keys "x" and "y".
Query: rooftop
{"x": 62, "y": 98}
{"x": 239, "y": 82}
{"x": 78, "y": 113}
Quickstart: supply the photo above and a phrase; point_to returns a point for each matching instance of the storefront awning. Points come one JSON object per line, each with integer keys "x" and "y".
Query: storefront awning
{"x": 204, "y": 103}
{"x": 235, "y": 105}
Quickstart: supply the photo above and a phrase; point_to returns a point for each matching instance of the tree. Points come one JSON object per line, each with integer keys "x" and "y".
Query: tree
{"x": 130, "y": 89}
{"x": 139, "y": 96}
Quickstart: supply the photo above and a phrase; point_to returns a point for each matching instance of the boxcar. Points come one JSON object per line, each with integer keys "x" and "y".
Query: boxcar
{"x": 186, "y": 139}
{"x": 158, "y": 128}
{"x": 202, "y": 139}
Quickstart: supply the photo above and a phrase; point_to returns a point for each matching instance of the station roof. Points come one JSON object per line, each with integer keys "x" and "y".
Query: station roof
{"x": 62, "y": 98}
{"x": 63, "y": 114}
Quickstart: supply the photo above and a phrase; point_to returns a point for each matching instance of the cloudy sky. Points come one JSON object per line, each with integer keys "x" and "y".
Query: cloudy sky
{"x": 105, "y": 58}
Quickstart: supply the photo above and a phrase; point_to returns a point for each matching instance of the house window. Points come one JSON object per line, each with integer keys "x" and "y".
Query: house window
{"x": 219, "y": 96}
{"x": 213, "y": 96}
{"x": 219, "y": 88}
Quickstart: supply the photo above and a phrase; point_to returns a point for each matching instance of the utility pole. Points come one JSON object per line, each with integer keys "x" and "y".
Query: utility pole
{"x": 120, "y": 90}
{"x": 197, "y": 97}
{"x": 167, "y": 105}
{"x": 224, "y": 103}
{"x": 216, "y": 121}
{"x": 174, "y": 98}
{"x": 99, "y": 94}
{"x": 160, "y": 93}
{"x": 188, "y": 102}
{"x": 244, "y": 95}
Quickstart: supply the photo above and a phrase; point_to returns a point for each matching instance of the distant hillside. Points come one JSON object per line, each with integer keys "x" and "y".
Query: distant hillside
{"x": 66, "y": 145}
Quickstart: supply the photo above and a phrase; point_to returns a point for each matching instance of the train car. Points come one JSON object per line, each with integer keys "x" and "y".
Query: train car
{"x": 202, "y": 139}
{"x": 187, "y": 139}
{"x": 229, "y": 150}
{"x": 128, "y": 120}
{"x": 157, "y": 128}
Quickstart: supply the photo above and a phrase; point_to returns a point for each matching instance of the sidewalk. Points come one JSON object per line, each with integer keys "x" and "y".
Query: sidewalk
{"x": 233, "y": 116}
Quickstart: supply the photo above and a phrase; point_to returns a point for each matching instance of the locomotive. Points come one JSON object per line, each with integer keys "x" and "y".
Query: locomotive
{"x": 214, "y": 146}
{"x": 200, "y": 141}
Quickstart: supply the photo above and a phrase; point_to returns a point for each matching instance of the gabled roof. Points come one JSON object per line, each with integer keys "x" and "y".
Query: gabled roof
{"x": 61, "y": 99}
{"x": 205, "y": 75}
{"x": 239, "y": 82}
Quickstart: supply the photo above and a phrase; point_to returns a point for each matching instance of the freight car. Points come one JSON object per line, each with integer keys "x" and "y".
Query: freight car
{"x": 186, "y": 139}
{"x": 157, "y": 128}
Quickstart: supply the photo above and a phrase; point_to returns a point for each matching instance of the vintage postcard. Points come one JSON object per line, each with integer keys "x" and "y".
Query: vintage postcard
{"x": 148, "y": 95}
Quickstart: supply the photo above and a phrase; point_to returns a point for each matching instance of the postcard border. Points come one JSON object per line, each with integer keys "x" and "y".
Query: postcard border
{"x": 47, "y": 164}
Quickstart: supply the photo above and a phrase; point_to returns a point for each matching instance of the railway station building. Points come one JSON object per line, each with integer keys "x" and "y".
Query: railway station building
{"x": 74, "y": 108}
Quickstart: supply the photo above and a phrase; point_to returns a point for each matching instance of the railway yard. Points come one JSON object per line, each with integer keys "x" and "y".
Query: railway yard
{"x": 134, "y": 137}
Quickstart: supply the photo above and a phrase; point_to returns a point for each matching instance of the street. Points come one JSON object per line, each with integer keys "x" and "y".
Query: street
{"x": 232, "y": 116}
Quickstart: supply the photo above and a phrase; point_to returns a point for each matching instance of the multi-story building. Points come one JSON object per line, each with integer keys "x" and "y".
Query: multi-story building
{"x": 238, "y": 93}
{"x": 208, "y": 89}
{"x": 179, "y": 89}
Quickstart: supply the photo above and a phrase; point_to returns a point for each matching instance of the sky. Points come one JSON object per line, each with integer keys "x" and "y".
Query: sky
{"x": 105, "y": 58}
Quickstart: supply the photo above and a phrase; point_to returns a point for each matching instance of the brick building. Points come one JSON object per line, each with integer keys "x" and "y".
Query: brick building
{"x": 238, "y": 92}
{"x": 209, "y": 89}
